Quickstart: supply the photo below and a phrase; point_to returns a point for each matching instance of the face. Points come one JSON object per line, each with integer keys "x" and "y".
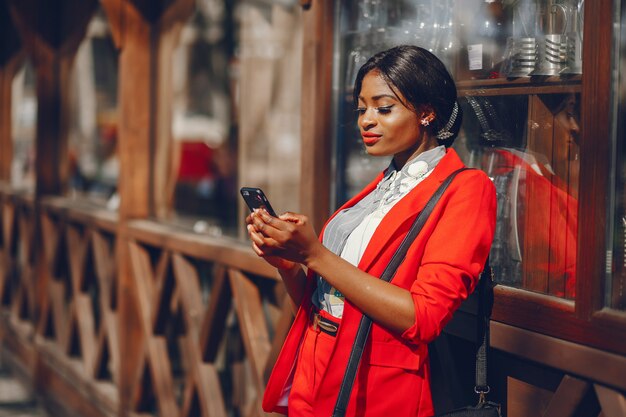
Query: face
{"x": 387, "y": 126}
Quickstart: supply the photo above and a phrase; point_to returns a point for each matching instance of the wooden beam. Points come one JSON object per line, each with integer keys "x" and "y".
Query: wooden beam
{"x": 7, "y": 72}
{"x": 137, "y": 38}
{"x": 179, "y": 11}
{"x": 164, "y": 180}
{"x": 317, "y": 126}
{"x": 524, "y": 399}
{"x": 254, "y": 332}
{"x": 613, "y": 403}
{"x": 10, "y": 43}
{"x": 60, "y": 24}
{"x": 52, "y": 40}
{"x": 214, "y": 322}
{"x": 595, "y": 157}
{"x": 566, "y": 356}
{"x": 568, "y": 395}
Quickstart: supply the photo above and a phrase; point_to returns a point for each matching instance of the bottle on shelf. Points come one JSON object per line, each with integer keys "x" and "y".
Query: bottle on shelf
{"x": 483, "y": 52}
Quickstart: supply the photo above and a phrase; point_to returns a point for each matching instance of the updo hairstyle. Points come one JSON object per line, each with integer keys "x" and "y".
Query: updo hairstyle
{"x": 424, "y": 82}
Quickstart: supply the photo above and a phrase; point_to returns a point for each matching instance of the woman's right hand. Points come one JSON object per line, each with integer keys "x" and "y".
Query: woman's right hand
{"x": 276, "y": 261}
{"x": 291, "y": 272}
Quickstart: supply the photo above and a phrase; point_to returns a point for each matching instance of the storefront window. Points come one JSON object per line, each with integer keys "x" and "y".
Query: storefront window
{"x": 24, "y": 126}
{"x": 518, "y": 68}
{"x": 204, "y": 123}
{"x": 615, "y": 290}
{"x": 235, "y": 111}
{"x": 93, "y": 159}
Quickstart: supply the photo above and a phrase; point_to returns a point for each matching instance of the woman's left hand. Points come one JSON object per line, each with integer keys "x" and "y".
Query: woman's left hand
{"x": 290, "y": 236}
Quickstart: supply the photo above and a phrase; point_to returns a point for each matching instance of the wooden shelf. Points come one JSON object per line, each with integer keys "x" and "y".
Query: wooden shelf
{"x": 520, "y": 86}
{"x": 513, "y": 86}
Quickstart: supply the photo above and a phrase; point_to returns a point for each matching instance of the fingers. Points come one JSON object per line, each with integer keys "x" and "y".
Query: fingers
{"x": 270, "y": 226}
{"x": 291, "y": 217}
{"x": 264, "y": 244}
{"x": 256, "y": 250}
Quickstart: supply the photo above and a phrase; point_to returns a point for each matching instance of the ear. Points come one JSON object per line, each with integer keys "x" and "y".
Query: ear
{"x": 426, "y": 116}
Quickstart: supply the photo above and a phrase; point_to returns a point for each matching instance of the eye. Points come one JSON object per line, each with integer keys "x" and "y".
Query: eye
{"x": 384, "y": 109}
{"x": 360, "y": 110}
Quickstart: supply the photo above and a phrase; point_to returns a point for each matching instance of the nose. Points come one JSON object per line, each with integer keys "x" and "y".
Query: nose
{"x": 367, "y": 119}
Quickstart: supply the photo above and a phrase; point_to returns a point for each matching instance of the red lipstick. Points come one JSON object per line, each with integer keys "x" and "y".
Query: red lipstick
{"x": 370, "y": 138}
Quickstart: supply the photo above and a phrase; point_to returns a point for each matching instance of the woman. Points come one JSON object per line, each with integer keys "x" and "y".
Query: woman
{"x": 407, "y": 109}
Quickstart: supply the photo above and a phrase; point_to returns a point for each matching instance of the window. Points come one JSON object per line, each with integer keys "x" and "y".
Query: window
{"x": 615, "y": 286}
{"x": 518, "y": 70}
{"x": 235, "y": 112}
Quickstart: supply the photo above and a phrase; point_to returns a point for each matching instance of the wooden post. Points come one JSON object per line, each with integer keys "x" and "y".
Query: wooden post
{"x": 317, "y": 58}
{"x": 53, "y": 50}
{"x": 137, "y": 29}
{"x": 6, "y": 141}
{"x": 9, "y": 58}
{"x": 134, "y": 36}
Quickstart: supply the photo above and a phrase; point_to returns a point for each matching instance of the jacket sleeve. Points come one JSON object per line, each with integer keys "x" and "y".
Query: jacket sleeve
{"x": 454, "y": 255}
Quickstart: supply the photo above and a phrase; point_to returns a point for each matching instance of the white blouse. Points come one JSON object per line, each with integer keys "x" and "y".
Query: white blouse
{"x": 398, "y": 185}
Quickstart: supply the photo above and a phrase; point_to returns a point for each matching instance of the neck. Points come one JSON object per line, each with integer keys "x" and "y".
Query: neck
{"x": 400, "y": 159}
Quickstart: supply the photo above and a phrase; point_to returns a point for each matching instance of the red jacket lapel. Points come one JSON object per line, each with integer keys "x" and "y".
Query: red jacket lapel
{"x": 408, "y": 208}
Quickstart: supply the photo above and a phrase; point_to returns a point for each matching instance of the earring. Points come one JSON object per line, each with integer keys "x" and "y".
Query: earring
{"x": 425, "y": 121}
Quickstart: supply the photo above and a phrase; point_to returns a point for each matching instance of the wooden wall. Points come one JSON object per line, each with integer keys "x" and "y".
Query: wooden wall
{"x": 113, "y": 314}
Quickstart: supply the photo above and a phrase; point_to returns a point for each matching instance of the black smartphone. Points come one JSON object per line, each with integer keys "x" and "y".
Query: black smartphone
{"x": 255, "y": 198}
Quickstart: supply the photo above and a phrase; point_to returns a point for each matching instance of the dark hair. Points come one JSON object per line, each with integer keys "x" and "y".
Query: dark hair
{"x": 422, "y": 79}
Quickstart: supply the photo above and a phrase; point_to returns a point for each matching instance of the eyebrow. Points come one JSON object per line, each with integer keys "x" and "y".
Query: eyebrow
{"x": 378, "y": 97}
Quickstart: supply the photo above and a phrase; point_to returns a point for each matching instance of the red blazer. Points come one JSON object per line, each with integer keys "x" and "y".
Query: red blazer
{"x": 440, "y": 271}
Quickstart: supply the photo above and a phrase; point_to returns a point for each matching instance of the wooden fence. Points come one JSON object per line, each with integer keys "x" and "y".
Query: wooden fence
{"x": 210, "y": 316}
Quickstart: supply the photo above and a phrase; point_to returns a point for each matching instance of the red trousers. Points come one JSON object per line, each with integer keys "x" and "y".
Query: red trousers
{"x": 313, "y": 358}
{"x": 315, "y": 352}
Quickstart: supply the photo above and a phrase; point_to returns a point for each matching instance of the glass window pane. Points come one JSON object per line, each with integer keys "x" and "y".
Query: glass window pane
{"x": 94, "y": 163}
{"x": 616, "y": 277}
{"x": 518, "y": 70}
{"x": 204, "y": 124}
{"x": 236, "y": 111}
{"x": 24, "y": 126}
{"x": 528, "y": 145}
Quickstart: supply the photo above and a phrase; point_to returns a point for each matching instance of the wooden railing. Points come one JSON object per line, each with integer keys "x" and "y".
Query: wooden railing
{"x": 140, "y": 319}
{"x": 209, "y": 311}
{"x": 212, "y": 316}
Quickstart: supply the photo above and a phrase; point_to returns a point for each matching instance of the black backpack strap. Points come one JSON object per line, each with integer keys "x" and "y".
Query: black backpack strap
{"x": 366, "y": 323}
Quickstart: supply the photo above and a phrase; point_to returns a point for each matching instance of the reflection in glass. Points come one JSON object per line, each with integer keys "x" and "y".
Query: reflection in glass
{"x": 236, "y": 112}
{"x": 528, "y": 144}
{"x": 536, "y": 175}
{"x": 94, "y": 162}
{"x": 23, "y": 126}
{"x": 615, "y": 285}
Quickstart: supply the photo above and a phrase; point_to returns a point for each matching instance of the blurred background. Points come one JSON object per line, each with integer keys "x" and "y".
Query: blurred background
{"x": 127, "y": 127}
